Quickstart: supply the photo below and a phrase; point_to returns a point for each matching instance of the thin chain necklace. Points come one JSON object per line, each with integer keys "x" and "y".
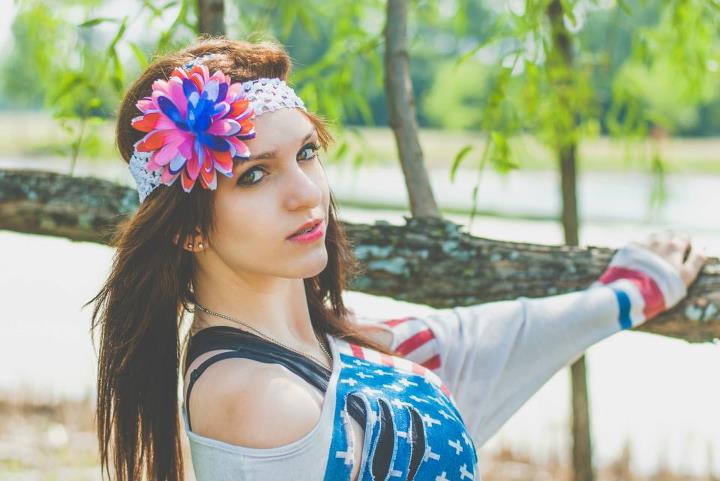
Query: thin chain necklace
{"x": 267, "y": 337}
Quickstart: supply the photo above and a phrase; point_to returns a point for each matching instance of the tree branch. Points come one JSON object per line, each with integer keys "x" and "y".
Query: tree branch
{"x": 428, "y": 261}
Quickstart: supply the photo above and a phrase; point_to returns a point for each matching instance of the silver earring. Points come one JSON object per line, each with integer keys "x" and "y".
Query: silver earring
{"x": 189, "y": 246}
{"x": 200, "y": 245}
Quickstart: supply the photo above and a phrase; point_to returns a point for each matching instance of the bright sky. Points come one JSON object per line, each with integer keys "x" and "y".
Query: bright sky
{"x": 6, "y": 20}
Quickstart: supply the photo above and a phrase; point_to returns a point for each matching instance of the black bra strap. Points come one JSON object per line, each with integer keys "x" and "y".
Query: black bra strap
{"x": 242, "y": 344}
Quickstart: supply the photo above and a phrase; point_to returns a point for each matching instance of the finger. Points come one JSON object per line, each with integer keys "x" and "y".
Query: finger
{"x": 664, "y": 245}
{"x": 666, "y": 235}
{"x": 678, "y": 248}
{"x": 693, "y": 265}
{"x": 651, "y": 242}
{"x": 683, "y": 235}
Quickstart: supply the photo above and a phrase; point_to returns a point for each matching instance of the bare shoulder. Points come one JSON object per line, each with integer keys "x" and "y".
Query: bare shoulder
{"x": 253, "y": 404}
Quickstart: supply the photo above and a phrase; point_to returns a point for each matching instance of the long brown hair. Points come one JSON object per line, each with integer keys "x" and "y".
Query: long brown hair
{"x": 139, "y": 308}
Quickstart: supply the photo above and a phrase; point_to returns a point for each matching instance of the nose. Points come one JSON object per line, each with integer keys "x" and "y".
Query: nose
{"x": 303, "y": 189}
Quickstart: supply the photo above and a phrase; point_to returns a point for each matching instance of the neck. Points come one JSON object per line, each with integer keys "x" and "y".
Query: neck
{"x": 275, "y": 306}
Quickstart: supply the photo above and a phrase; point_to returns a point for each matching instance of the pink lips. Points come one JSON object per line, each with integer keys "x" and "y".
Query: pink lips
{"x": 312, "y": 235}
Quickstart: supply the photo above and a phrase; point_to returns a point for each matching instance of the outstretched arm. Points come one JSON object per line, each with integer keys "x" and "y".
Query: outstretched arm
{"x": 493, "y": 357}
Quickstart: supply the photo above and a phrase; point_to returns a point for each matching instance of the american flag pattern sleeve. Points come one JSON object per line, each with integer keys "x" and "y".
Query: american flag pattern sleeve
{"x": 413, "y": 339}
{"x": 494, "y": 356}
{"x": 644, "y": 285}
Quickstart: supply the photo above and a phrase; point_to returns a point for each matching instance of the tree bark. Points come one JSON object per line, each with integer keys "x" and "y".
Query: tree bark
{"x": 401, "y": 109}
{"x": 211, "y": 17}
{"x": 427, "y": 261}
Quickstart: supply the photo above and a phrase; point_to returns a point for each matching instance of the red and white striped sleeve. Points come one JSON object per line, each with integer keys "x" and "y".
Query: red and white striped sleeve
{"x": 493, "y": 357}
{"x": 413, "y": 339}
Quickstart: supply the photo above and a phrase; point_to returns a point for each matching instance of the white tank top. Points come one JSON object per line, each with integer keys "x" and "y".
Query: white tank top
{"x": 305, "y": 458}
{"x": 412, "y": 428}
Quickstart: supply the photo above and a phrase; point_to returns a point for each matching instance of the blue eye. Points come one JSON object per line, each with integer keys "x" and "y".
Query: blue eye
{"x": 248, "y": 175}
{"x": 308, "y": 152}
{"x": 312, "y": 149}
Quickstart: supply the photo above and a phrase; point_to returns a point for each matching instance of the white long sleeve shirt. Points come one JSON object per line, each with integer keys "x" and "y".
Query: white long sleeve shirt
{"x": 493, "y": 357}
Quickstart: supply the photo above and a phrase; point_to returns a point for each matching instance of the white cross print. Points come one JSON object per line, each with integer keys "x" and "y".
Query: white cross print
{"x": 458, "y": 447}
{"x": 464, "y": 473}
{"x": 359, "y": 362}
{"x": 399, "y": 404}
{"x": 441, "y": 477}
{"x": 429, "y": 454}
{"x": 350, "y": 381}
{"x": 394, "y": 473}
{"x": 346, "y": 456}
{"x": 436, "y": 399}
{"x": 418, "y": 399}
{"x": 370, "y": 390}
{"x": 404, "y": 381}
{"x": 394, "y": 387}
{"x": 363, "y": 375}
{"x": 466, "y": 438}
{"x": 446, "y": 416}
{"x": 402, "y": 434}
{"x": 380, "y": 372}
{"x": 429, "y": 421}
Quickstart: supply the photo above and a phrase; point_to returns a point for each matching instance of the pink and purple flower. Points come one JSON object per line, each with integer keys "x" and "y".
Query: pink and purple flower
{"x": 196, "y": 125}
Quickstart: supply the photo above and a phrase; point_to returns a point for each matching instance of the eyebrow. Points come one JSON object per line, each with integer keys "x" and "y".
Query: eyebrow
{"x": 272, "y": 153}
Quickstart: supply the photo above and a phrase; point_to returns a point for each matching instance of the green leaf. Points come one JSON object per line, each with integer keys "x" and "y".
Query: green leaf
{"x": 72, "y": 81}
{"x": 623, "y": 5}
{"x": 569, "y": 12}
{"x": 118, "y": 77}
{"x": 155, "y": 10}
{"x": 358, "y": 160}
{"x": 462, "y": 153}
{"x": 464, "y": 57}
{"x": 139, "y": 54}
{"x": 308, "y": 22}
{"x": 96, "y": 21}
{"x": 118, "y": 35}
{"x": 341, "y": 150}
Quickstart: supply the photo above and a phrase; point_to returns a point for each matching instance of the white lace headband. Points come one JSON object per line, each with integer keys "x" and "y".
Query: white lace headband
{"x": 196, "y": 123}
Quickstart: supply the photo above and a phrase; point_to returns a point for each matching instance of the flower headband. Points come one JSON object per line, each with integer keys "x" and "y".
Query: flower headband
{"x": 196, "y": 123}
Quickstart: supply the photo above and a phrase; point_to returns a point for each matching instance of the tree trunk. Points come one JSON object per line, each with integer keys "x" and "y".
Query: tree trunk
{"x": 401, "y": 107}
{"x": 427, "y": 261}
{"x": 561, "y": 60}
{"x": 211, "y": 17}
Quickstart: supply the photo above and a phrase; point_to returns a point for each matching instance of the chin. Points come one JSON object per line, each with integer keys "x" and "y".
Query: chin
{"x": 304, "y": 267}
{"x": 315, "y": 264}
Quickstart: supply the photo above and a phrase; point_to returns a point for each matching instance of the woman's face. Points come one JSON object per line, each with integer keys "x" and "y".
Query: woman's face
{"x": 271, "y": 196}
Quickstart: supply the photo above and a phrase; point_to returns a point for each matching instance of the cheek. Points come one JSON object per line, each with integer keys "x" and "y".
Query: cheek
{"x": 319, "y": 176}
{"x": 244, "y": 223}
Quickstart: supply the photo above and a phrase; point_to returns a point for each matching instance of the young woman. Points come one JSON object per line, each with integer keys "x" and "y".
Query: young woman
{"x": 238, "y": 226}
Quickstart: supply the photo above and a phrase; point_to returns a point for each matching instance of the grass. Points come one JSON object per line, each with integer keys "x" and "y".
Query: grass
{"x": 30, "y": 134}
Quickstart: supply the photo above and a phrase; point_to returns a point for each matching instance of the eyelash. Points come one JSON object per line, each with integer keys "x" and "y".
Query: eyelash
{"x": 313, "y": 146}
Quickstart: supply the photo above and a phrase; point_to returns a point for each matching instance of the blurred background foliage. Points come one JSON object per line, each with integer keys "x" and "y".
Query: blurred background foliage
{"x": 641, "y": 68}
